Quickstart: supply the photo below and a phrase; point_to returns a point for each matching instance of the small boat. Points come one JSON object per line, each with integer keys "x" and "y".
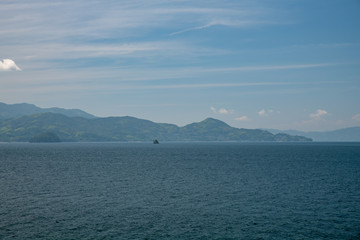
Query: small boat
{"x": 155, "y": 141}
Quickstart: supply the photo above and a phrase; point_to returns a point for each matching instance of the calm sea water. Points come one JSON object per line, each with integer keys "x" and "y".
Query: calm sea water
{"x": 180, "y": 191}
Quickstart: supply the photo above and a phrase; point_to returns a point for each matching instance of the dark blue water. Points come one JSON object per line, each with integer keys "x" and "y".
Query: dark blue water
{"x": 180, "y": 191}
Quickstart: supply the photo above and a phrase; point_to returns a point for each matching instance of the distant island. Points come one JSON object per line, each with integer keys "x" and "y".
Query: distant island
{"x": 26, "y": 122}
{"x": 350, "y": 134}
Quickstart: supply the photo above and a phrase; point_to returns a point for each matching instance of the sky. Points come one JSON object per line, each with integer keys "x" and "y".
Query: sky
{"x": 282, "y": 64}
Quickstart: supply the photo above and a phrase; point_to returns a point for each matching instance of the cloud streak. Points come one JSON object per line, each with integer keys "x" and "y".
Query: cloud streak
{"x": 126, "y": 17}
{"x": 52, "y": 26}
{"x": 274, "y": 67}
{"x": 225, "y": 23}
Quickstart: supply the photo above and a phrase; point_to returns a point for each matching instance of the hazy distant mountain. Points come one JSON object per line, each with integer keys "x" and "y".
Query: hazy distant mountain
{"x": 351, "y": 134}
{"x": 8, "y": 111}
{"x": 128, "y": 129}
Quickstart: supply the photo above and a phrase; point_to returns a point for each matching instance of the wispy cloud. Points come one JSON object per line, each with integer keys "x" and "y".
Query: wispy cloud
{"x": 222, "y": 111}
{"x": 192, "y": 29}
{"x": 314, "y": 121}
{"x": 53, "y": 26}
{"x": 70, "y": 51}
{"x": 262, "y": 112}
{"x": 356, "y": 117}
{"x": 274, "y": 67}
{"x": 242, "y": 118}
{"x": 59, "y": 86}
{"x": 326, "y": 45}
{"x": 218, "y": 23}
{"x": 8, "y": 65}
{"x": 266, "y": 112}
{"x": 318, "y": 114}
{"x": 212, "y": 85}
{"x": 96, "y": 19}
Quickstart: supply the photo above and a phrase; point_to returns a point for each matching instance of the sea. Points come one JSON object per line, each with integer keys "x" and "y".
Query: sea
{"x": 177, "y": 190}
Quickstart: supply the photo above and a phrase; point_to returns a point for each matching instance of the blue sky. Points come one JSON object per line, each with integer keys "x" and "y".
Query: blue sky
{"x": 285, "y": 64}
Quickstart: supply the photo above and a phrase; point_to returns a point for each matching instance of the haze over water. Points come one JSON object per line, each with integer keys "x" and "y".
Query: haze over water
{"x": 180, "y": 191}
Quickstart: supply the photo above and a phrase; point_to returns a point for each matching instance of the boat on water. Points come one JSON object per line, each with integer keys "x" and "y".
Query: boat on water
{"x": 155, "y": 141}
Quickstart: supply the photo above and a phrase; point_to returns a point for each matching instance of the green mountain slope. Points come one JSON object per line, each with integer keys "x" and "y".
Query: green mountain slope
{"x": 46, "y": 137}
{"x": 214, "y": 130}
{"x": 8, "y": 111}
{"x": 127, "y": 129}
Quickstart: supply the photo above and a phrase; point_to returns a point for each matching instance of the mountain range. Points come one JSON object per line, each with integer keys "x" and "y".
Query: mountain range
{"x": 351, "y": 134}
{"x": 8, "y": 111}
{"x": 22, "y": 122}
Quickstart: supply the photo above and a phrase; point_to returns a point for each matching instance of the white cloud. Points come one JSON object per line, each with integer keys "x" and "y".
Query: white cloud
{"x": 267, "y": 112}
{"x": 8, "y": 65}
{"x": 356, "y": 117}
{"x": 316, "y": 121}
{"x": 318, "y": 114}
{"x": 262, "y": 112}
{"x": 223, "y": 111}
{"x": 242, "y": 118}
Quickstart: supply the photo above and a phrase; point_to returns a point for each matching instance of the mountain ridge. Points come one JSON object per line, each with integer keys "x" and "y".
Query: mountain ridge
{"x": 192, "y": 131}
{"x": 79, "y": 129}
{"x": 8, "y": 111}
{"x": 350, "y": 134}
